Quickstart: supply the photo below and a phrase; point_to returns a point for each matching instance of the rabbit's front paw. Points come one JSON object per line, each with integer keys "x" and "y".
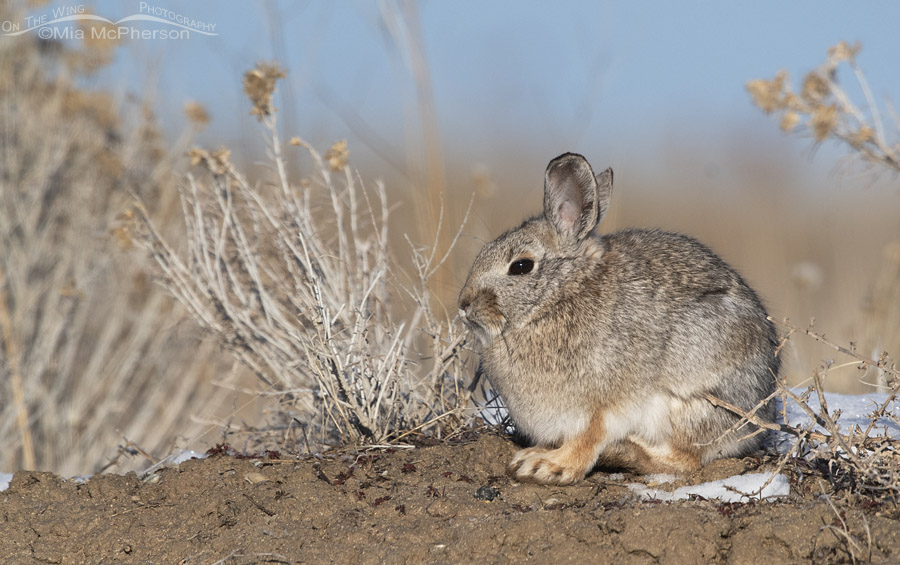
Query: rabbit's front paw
{"x": 545, "y": 466}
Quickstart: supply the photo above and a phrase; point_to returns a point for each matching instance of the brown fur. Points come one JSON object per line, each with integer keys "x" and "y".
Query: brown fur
{"x": 607, "y": 346}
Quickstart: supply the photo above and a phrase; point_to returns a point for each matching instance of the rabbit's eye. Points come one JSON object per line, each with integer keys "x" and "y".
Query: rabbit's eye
{"x": 521, "y": 267}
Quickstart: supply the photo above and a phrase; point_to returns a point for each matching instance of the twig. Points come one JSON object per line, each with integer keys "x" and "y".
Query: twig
{"x": 852, "y": 353}
{"x": 18, "y": 389}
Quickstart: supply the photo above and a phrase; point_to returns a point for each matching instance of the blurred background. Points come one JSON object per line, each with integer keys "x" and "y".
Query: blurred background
{"x": 446, "y": 102}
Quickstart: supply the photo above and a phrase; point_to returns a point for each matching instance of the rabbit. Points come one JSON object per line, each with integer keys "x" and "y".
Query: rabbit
{"x": 604, "y": 348}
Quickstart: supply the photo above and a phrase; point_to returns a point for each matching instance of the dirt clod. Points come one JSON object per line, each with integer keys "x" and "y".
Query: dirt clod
{"x": 487, "y": 493}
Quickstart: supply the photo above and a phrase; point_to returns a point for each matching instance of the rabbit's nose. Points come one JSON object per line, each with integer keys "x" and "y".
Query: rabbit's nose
{"x": 464, "y": 303}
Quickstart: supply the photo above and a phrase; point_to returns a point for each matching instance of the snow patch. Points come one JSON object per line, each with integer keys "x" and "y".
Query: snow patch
{"x": 856, "y": 410}
{"x": 186, "y": 455}
{"x": 856, "y": 414}
{"x": 739, "y": 488}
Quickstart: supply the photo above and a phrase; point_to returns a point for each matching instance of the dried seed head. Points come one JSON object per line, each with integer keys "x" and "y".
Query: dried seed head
{"x": 259, "y": 84}
{"x": 196, "y": 113}
{"x": 338, "y": 155}
{"x": 791, "y": 101}
{"x": 815, "y": 88}
{"x": 197, "y": 156}
{"x": 768, "y": 95}
{"x": 864, "y": 135}
{"x": 789, "y": 121}
{"x": 219, "y": 160}
{"x": 823, "y": 120}
{"x": 843, "y": 52}
{"x": 216, "y": 161}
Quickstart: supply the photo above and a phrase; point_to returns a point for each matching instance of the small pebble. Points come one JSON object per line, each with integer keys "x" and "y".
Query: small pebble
{"x": 254, "y": 478}
{"x": 487, "y": 493}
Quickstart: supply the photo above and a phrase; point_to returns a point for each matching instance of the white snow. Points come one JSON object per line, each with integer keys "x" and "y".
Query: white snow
{"x": 186, "y": 455}
{"x": 5, "y": 478}
{"x": 855, "y": 410}
{"x": 739, "y": 488}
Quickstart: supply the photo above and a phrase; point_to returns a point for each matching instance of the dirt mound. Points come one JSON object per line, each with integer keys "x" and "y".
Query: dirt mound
{"x": 446, "y": 503}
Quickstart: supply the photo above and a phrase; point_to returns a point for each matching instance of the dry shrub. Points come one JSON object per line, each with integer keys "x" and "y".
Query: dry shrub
{"x": 864, "y": 463}
{"x": 89, "y": 353}
{"x": 297, "y": 281}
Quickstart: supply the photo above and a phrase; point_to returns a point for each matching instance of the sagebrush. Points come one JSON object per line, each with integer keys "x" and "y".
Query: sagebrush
{"x": 296, "y": 279}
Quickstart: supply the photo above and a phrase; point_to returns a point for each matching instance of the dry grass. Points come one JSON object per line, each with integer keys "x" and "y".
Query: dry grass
{"x": 296, "y": 279}
{"x": 90, "y": 356}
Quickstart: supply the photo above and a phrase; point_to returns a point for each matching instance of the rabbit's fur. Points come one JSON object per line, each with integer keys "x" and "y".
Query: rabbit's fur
{"x": 604, "y": 347}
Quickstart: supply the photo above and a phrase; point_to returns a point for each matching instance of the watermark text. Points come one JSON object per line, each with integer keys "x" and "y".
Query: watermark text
{"x": 151, "y": 22}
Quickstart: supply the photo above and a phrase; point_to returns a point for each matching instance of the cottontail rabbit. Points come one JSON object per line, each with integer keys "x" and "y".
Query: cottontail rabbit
{"x": 605, "y": 347}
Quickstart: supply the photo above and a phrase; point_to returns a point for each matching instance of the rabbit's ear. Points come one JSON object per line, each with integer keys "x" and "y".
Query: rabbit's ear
{"x": 574, "y": 199}
{"x": 604, "y": 192}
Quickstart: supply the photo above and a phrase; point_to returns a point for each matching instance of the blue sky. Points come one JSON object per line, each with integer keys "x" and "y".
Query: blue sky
{"x": 618, "y": 78}
{"x": 654, "y": 89}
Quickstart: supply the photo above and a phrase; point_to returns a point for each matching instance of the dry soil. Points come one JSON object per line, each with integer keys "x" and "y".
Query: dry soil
{"x": 446, "y": 503}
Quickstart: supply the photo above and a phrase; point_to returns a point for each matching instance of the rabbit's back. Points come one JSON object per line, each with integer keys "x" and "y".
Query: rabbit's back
{"x": 691, "y": 316}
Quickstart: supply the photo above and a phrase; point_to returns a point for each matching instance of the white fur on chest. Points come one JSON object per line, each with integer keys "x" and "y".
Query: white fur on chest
{"x": 548, "y": 426}
{"x": 548, "y": 417}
